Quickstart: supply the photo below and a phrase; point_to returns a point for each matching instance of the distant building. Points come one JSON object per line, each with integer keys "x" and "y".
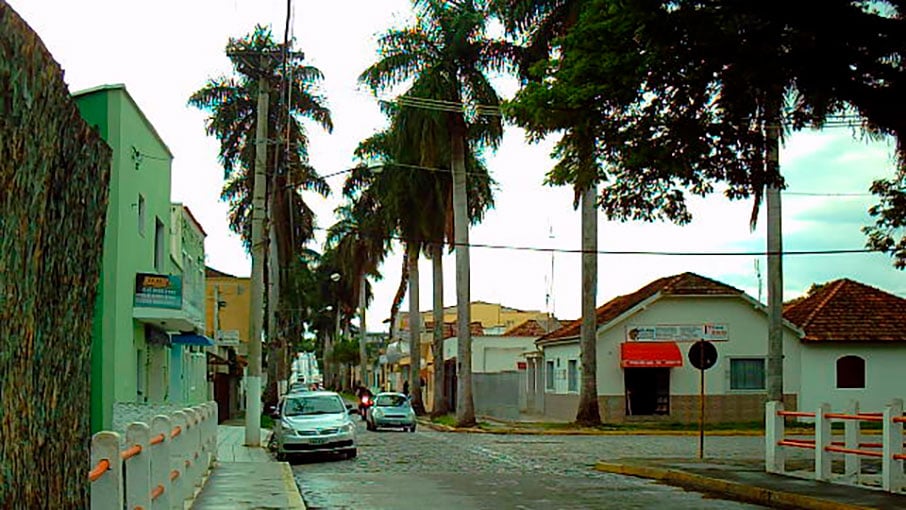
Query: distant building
{"x": 227, "y": 308}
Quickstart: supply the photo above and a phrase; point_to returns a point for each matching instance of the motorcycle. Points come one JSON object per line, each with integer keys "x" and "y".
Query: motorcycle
{"x": 365, "y": 401}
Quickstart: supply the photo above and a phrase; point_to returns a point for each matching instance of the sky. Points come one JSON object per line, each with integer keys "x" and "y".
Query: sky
{"x": 165, "y": 50}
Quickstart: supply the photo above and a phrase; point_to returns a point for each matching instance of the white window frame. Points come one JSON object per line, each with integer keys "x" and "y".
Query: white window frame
{"x": 549, "y": 376}
{"x": 572, "y": 367}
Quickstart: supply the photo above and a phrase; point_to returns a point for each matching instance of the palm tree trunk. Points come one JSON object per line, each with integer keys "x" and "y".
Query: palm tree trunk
{"x": 465, "y": 405}
{"x": 415, "y": 331}
{"x": 363, "y": 351}
{"x": 398, "y": 298}
{"x": 588, "y": 412}
{"x": 439, "y": 404}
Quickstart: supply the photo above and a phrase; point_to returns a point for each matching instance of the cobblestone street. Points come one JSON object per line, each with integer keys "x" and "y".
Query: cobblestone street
{"x": 437, "y": 470}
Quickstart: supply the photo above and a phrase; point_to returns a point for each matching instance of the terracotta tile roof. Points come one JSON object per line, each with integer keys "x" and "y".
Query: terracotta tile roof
{"x": 845, "y": 310}
{"x": 530, "y": 327}
{"x": 685, "y": 284}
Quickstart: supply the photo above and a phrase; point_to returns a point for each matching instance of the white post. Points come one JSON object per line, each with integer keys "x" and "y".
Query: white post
{"x": 107, "y": 491}
{"x": 160, "y": 461}
{"x": 774, "y": 425}
{"x": 851, "y": 437}
{"x": 892, "y": 470}
{"x": 822, "y": 441}
{"x": 178, "y": 461}
{"x": 138, "y": 467}
{"x": 215, "y": 414}
{"x": 192, "y": 447}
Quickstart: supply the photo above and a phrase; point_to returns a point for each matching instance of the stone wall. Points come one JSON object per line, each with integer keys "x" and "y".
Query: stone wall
{"x": 497, "y": 394}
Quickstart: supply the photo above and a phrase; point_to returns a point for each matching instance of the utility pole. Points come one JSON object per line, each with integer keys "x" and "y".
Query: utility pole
{"x": 775, "y": 270}
{"x": 253, "y": 393}
{"x": 363, "y": 348}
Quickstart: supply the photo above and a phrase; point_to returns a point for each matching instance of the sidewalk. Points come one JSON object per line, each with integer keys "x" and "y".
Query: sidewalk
{"x": 247, "y": 477}
{"x": 748, "y": 482}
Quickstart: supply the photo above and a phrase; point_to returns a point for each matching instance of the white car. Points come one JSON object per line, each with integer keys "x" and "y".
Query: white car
{"x": 313, "y": 422}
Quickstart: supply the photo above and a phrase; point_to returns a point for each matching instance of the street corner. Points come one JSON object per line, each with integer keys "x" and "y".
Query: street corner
{"x": 293, "y": 495}
{"x": 770, "y": 497}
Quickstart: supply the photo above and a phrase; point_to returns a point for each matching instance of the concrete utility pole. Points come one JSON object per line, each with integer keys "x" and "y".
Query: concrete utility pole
{"x": 363, "y": 336}
{"x": 253, "y": 393}
{"x": 775, "y": 270}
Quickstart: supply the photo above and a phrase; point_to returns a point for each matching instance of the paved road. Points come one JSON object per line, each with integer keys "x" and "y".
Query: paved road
{"x": 433, "y": 470}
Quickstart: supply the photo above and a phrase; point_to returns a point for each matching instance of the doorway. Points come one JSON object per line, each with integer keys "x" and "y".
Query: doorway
{"x": 647, "y": 391}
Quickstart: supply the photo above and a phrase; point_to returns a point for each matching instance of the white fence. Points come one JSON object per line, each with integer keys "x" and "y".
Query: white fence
{"x": 161, "y": 465}
{"x": 889, "y": 449}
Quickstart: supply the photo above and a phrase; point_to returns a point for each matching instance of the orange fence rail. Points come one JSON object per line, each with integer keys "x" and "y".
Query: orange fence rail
{"x": 102, "y": 467}
{"x": 800, "y": 414}
{"x": 865, "y": 453}
{"x": 128, "y": 453}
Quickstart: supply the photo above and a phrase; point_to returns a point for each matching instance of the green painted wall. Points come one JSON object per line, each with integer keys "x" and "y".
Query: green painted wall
{"x": 141, "y": 166}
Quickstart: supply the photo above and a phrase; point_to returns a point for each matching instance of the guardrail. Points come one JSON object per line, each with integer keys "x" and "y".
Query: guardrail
{"x": 890, "y": 449}
{"x": 161, "y": 465}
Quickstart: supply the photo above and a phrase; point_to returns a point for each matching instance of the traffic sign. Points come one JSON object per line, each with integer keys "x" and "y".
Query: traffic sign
{"x": 702, "y": 355}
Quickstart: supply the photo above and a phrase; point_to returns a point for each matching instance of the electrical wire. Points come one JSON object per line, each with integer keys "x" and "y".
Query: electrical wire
{"x": 539, "y": 249}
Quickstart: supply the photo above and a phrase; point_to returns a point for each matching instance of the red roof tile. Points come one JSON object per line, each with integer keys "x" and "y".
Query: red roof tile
{"x": 531, "y": 327}
{"x": 685, "y": 284}
{"x": 845, "y": 310}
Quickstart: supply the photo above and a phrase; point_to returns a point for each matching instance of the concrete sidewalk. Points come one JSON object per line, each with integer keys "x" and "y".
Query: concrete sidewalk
{"x": 748, "y": 482}
{"x": 247, "y": 477}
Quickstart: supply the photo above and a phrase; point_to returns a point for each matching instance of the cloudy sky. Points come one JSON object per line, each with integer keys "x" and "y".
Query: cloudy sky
{"x": 164, "y": 50}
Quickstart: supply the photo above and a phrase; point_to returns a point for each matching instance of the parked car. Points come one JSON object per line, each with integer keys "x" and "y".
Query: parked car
{"x": 313, "y": 422}
{"x": 298, "y": 387}
{"x": 391, "y": 410}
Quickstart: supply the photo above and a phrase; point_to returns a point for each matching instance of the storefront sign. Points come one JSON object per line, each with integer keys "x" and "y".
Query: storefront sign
{"x": 228, "y": 338}
{"x": 678, "y": 333}
{"x": 158, "y": 291}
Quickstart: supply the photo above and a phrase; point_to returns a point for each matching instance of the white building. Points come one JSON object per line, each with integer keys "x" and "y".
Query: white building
{"x": 854, "y": 346}
{"x": 643, "y": 340}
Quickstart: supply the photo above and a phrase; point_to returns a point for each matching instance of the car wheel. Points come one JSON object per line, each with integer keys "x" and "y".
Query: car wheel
{"x": 351, "y": 454}
{"x": 369, "y": 425}
{"x": 412, "y": 428}
{"x": 281, "y": 457}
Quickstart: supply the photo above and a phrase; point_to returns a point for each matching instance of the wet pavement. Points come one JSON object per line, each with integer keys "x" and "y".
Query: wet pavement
{"x": 428, "y": 469}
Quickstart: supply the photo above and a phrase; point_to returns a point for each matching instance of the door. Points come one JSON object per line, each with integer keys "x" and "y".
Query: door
{"x": 647, "y": 391}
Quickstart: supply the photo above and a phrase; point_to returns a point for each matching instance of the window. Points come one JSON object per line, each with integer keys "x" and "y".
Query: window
{"x": 141, "y": 215}
{"x": 747, "y": 374}
{"x": 850, "y": 372}
{"x": 572, "y": 375}
{"x": 549, "y": 376}
{"x": 158, "y": 245}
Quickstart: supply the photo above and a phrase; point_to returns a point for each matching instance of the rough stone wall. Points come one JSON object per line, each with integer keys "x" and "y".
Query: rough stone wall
{"x": 497, "y": 394}
{"x": 54, "y": 174}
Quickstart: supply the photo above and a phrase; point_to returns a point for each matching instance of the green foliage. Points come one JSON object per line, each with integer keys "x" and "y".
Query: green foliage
{"x": 346, "y": 351}
{"x": 54, "y": 174}
{"x": 678, "y": 95}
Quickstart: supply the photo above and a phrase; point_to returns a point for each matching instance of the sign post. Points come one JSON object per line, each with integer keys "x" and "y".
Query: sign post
{"x": 702, "y": 355}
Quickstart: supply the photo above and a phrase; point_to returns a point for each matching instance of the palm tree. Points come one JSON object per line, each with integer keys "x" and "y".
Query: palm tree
{"x": 540, "y": 23}
{"x": 446, "y": 54}
{"x": 294, "y": 96}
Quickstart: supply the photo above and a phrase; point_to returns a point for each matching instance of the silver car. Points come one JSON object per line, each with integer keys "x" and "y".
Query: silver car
{"x": 391, "y": 410}
{"x": 313, "y": 422}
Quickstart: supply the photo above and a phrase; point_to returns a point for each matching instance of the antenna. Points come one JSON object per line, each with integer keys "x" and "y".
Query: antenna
{"x": 758, "y": 277}
{"x": 551, "y": 306}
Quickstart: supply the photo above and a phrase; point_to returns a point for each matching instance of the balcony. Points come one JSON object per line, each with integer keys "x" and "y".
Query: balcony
{"x": 158, "y": 301}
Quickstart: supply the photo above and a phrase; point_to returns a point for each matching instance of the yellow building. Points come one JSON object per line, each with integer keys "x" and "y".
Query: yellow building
{"x": 227, "y": 303}
{"x": 230, "y": 326}
{"x": 495, "y": 318}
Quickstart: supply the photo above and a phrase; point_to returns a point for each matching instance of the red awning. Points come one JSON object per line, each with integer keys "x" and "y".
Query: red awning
{"x": 650, "y": 355}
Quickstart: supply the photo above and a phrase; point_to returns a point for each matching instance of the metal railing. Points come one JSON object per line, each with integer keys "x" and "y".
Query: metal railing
{"x": 161, "y": 465}
{"x": 890, "y": 449}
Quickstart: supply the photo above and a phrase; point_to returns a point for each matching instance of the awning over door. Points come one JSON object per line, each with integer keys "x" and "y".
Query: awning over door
{"x": 192, "y": 339}
{"x": 650, "y": 355}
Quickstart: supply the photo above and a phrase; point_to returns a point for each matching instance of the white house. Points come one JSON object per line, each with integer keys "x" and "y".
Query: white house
{"x": 854, "y": 346}
{"x": 643, "y": 340}
{"x": 492, "y": 354}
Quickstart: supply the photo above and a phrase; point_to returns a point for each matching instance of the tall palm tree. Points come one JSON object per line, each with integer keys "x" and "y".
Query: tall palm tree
{"x": 294, "y": 95}
{"x": 447, "y": 55}
{"x": 540, "y": 23}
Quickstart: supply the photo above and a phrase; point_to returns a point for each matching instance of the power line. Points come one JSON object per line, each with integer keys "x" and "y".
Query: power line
{"x": 632, "y": 252}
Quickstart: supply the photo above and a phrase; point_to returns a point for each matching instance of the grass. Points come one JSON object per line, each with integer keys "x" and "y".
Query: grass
{"x": 446, "y": 419}
{"x": 267, "y": 422}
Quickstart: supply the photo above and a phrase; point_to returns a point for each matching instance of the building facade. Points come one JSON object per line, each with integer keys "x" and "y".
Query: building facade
{"x": 227, "y": 308}
{"x": 141, "y": 291}
{"x": 643, "y": 370}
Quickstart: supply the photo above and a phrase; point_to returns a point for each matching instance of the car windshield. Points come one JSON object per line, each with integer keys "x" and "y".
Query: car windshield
{"x": 390, "y": 400}
{"x": 324, "y": 404}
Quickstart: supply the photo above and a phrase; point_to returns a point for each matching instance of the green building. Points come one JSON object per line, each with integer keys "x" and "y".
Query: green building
{"x": 149, "y": 313}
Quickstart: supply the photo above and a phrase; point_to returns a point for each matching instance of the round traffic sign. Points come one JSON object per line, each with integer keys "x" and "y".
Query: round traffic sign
{"x": 702, "y": 355}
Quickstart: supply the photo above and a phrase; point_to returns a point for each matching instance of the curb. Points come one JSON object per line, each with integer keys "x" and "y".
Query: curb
{"x": 733, "y": 490}
{"x": 292, "y": 492}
